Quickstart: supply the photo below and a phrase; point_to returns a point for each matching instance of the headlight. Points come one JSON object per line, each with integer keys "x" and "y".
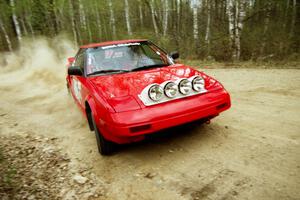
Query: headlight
{"x": 171, "y": 89}
{"x": 185, "y": 86}
{"x": 198, "y": 83}
{"x": 156, "y": 92}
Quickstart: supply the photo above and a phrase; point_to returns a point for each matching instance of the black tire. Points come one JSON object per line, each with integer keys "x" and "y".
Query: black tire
{"x": 90, "y": 120}
{"x": 105, "y": 147}
{"x": 68, "y": 88}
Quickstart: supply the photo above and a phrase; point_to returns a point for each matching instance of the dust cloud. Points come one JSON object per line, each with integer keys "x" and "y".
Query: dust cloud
{"x": 33, "y": 87}
{"x": 39, "y": 58}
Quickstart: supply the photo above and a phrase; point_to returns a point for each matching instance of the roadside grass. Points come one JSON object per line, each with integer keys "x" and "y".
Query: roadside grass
{"x": 243, "y": 64}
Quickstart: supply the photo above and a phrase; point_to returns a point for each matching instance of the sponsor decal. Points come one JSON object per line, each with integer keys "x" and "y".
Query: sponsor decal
{"x": 77, "y": 89}
{"x": 121, "y": 45}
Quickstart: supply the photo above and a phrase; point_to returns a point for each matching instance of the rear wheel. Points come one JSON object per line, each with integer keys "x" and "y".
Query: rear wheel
{"x": 105, "y": 147}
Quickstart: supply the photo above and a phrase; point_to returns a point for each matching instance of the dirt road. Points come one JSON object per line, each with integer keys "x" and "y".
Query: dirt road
{"x": 251, "y": 151}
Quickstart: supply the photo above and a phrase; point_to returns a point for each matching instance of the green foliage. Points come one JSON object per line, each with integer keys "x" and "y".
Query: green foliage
{"x": 270, "y": 27}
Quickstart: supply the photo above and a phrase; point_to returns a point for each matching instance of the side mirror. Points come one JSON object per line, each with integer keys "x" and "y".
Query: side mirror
{"x": 74, "y": 70}
{"x": 174, "y": 55}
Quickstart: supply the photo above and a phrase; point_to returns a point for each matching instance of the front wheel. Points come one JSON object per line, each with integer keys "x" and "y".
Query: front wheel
{"x": 105, "y": 147}
{"x": 68, "y": 89}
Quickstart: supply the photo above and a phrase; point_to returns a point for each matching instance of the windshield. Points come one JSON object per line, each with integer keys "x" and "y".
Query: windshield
{"x": 125, "y": 57}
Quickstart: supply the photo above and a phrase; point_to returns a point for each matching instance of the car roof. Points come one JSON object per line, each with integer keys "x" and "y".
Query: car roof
{"x": 111, "y": 43}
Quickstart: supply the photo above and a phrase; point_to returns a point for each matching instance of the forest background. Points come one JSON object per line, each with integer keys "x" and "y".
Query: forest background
{"x": 217, "y": 30}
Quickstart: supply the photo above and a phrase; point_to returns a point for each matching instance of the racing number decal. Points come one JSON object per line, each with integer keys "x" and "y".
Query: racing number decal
{"x": 77, "y": 89}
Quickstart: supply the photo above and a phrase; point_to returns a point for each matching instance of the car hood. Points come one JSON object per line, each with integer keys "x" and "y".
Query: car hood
{"x": 126, "y": 87}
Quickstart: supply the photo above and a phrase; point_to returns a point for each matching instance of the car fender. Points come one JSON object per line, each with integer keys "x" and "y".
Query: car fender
{"x": 101, "y": 111}
{"x": 101, "y": 115}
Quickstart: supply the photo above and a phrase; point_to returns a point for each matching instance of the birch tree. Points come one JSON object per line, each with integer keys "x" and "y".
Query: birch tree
{"x": 112, "y": 19}
{"x": 98, "y": 20}
{"x": 7, "y": 39}
{"x": 28, "y": 22}
{"x": 73, "y": 22}
{"x": 294, "y": 16}
{"x": 24, "y": 27}
{"x": 82, "y": 16}
{"x": 240, "y": 15}
{"x": 207, "y": 33}
{"x": 127, "y": 18}
{"x": 55, "y": 12}
{"x": 141, "y": 14}
{"x": 165, "y": 19}
{"x": 286, "y": 13}
{"x": 194, "y": 5}
{"x": 27, "y": 10}
{"x": 266, "y": 27}
{"x": 151, "y": 3}
{"x": 231, "y": 24}
{"x": 15, "y": 20}
{"x": 225, "y": 30}
{"x": 178, "y": 4}
{"x": 83, "y": 20}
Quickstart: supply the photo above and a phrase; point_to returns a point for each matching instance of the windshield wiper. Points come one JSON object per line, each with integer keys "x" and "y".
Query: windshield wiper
{"x": 107, "y": 71}
{"x": 149, "y": 66}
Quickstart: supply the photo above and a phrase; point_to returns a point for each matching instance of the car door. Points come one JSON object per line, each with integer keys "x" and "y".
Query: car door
{"x": 77, "y": 81}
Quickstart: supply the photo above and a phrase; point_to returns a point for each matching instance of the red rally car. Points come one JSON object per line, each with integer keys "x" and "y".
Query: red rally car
{"x": 130, "y": 88}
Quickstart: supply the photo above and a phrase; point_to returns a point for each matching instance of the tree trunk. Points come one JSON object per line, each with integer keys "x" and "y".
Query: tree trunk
{"x": 178, "y": 4}
{"x": 231, "y": 24}
{"x": 284, "y": 43}
{"x": 266, "y": 27}
{"x": 89, "y": 32}
{"x": 165, "y": 18}
{"x": 112, "y": 19}
{"x": 7, "y": 39}
{"x": 98, "y": 21}
{"x": 30, "y": 27}
{"x": 15, "y": 20}
{"x": 153, "y": 17}
{"x": 207, "y": 34}
{"x": 57, "y": 19}
{"x": 127, "y": 18}
{"x": 141, "y": 14}
{"x": 241, "y": 13}
{"x": 24, "y": 27}
{"x": 27, "y": 18}
{"x": 236, "y": 31}
{"x": 83, "y": 21}
{"x": 82, "y": 16}
{"x": 286, "y": 12}
{"x": 195, "y": 23}
{"x": 293, "y": 18}
{"x": 73, "y": 22}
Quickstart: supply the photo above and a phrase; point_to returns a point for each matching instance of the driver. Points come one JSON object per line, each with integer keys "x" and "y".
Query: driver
{"x": 91, "y": 61}
{"x": 138, "y": 57}
{"x": 94, "y": 62}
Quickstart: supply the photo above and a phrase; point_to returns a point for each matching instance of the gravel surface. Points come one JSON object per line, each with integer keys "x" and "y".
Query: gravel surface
{"x": 34, "y": 168}
{"x": 249, "y": 152}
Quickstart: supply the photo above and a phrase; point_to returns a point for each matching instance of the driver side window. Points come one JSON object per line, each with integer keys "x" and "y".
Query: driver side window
{"x": 79, "y": 61}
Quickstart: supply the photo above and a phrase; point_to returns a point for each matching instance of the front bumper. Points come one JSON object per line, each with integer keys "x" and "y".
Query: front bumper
{"x": 131, "y": 126}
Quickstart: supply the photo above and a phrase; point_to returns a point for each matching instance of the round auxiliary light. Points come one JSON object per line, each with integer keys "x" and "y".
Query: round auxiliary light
{"x": 185, "y": 86}
{"x": 198, "y": 83}
{"x": 171, "y": 89}
{"x": 155, "y": 92}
